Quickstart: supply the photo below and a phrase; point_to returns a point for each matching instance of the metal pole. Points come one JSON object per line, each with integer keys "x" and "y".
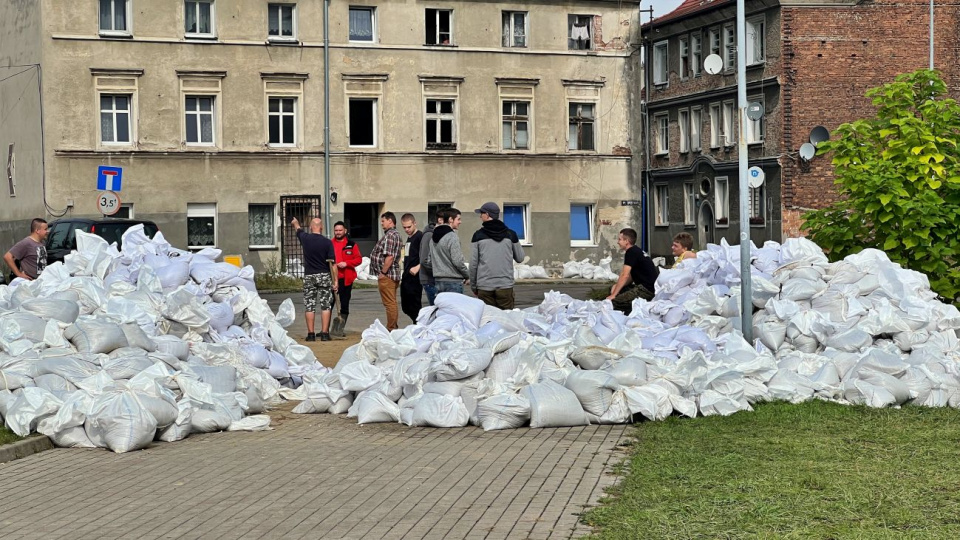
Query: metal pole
{"x": 931, "y": 35}
{"x": 746, "y": 294}
{"x": 648, "y": 229}
{"x": 326, "y": 117}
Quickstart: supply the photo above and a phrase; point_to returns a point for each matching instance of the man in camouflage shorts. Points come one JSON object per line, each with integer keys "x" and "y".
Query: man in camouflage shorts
{"x": 318, "y": 286}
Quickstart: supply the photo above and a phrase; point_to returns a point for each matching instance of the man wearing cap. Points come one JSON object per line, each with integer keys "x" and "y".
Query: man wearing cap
{"x": 493, "y": 250}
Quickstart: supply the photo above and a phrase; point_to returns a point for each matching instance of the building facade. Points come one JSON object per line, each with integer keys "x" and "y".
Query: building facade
{"x": 214, "y": 110}
{"x": 808, "y": 66}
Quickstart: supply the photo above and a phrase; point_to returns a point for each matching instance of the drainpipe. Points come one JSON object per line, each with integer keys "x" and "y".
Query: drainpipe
{"x": 646, "y": 137}
{"x": 326, "y": 117}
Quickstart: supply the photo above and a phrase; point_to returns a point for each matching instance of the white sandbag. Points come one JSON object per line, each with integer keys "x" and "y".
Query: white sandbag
{"x": 221, "y": 315}
{"x": 373, "y": 407}
{"x": 183, "y": 425}
{"x": 256, "y": 355}
{"x": 594, "y": 357}
{"x": 319, "y": 398}
{"x": 258, "y": 422}
{"x": 173, "y": 275}
{"x": 53, "y": 383}
{"x": 28, "y": 326}
{"x": 650, "y": 400}
{"x": 503, "y": 411}
{"x": 173, "y": 346}
{"x": 222, "y": 379}
{"x": 209, "y": 421}
{"x": 71, "y": 368}
{"x": 28, "y": 407}
{"x": 466, "y": 307}
{"x": 504, "y": 365}
{"x": 714, "y": 403}
{"x": 360, "y": 376}
{"x": 552, "y": 405}
{"x": 594, "y": 389}
{"x": 627, "y": 371}
{"x": 456, "y": 364}
{"x": 120, "y": 422}
{"x": 48, "y": 308}
{"x": 126, "y": 367}
{"x": 136, "y": 337}
{"x": 435, "y": 410}
{"x": 95, "y": 336}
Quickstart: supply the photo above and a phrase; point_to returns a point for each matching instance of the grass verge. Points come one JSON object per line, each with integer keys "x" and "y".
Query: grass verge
{"x": 7, "y": 436}
{"x": 814, "y": 470}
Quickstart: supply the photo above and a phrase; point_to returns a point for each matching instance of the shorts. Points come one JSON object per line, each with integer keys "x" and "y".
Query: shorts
{"x": 317, "y": 291}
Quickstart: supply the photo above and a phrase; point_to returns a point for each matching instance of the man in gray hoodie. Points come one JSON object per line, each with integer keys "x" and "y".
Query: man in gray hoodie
{"x": 445, "y": 257}
{"x": 493, "y": 250}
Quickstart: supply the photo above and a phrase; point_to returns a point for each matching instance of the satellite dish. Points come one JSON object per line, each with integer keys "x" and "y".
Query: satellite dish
{"x": 807, "y": 151}
{"x": 819, "y": 135}
{"x": 755, "y": 110}
{"x": 755, "y": 177}
{"x": 713, "y": 64}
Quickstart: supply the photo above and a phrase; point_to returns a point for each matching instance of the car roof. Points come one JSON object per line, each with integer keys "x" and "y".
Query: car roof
{"x": 101, "y": 221}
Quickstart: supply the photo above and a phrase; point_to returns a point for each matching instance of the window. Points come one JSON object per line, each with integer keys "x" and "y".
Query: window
{"x": 684, "y": 121}
{"x": 581, "y": 32}
{"x": 755, "y": 45}
{"x": 663, "y": 134}
{"x": 434, "y": 208}
{"x": 125, "y": 212}
{"x": 115, "y": 17}
{"x": 516, "y": 125}
{"x": 582, "y": 117}
{"x": 729, "y": 47}
{"x": 517, "y": 218}
{"x": 716, "y": 128}
{"x": 439, "y": 24}
{"x": 696, "y": 46}
{"x": 755, "y": 128}
{"x": 714, "y": 40}
{"x": 199, "y": 120}
{"x": 660, "y": 205}
{"x": 282, "y": 121}
{"x": 115, "y": 119}
{"x": 722, "y": 200}
{"x": 263, "y": 225}
{"x": 696, "y": 119}
{"x": 684, "y": 57}
{"x": 581, "y": 224}
{"x": 363, "y": 122}
{"x": 363, "y": 24}
{"x": 660, "y": 63}
{"x": 201, "y": 225}
{"x": 199, "y": 16}
{"x": 689, "y": 204}
{"x": 757, "y": 206}
{"x": 441, "y": 124}
{"x": 282, "y": 22}
{"x": 728, "y": 123}
{"x": 514, "y": 28}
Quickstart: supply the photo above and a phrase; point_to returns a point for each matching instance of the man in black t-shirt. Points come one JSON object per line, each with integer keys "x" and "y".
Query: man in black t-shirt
{"x": 318, "y": 284}
{"x": 411, "y": 291}
{"x": 638, "y": 276}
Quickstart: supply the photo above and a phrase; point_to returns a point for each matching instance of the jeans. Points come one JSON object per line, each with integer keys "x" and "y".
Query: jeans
{"x": 431, "y": 291}
{"x": 450, "y": 286}
{"x": 344, "y": 292}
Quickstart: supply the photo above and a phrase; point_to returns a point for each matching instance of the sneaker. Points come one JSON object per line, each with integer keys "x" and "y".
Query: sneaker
{"x": 311, "y": 337}
{"x": 324, "y": 336}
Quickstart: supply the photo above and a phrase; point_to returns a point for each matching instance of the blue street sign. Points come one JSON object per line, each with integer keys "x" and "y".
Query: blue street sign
{"x": 108, "y": 178}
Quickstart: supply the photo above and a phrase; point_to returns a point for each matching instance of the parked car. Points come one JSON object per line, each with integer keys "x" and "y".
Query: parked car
{"x": 62, "y": 238}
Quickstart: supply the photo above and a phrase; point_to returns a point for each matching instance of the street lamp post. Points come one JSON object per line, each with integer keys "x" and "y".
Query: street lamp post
{"x": 746, "y": 295}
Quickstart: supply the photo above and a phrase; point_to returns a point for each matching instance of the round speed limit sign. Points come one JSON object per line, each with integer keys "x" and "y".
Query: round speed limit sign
{"x": 108, "y": 202}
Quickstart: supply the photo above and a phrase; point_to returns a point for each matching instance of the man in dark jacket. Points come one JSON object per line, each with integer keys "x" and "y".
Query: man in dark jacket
{"x": 411, "y": 291}
{"x": 426, "y": 275}
{"x": 493, "y": 250}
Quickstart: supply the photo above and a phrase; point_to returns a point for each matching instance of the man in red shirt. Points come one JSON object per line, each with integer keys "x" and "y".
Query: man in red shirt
{"x": 348, "y": 259}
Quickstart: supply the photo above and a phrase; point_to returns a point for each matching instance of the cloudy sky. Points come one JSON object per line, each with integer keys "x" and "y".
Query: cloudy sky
{"x": 660, "y": 7}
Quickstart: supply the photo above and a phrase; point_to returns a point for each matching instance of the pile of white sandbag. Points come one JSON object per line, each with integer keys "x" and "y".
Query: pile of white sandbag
{"x": 861, "y": 331}
{"x": 118, "y": 348}
{"x": 363, "y": 271}
{"x": 587, "y": 270}
{"x": 526, "y": 271}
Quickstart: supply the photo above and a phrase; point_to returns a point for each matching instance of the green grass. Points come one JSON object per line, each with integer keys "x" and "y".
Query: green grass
{"x": 815, "y": 470}
{"x": 7, "y": 436}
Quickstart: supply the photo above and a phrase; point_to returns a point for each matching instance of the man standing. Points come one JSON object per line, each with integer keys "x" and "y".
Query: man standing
{"x": 385, "y": 264}
{"x": 348, "y": 259}
{"x": 426, "y": 276}
{"x": 28, "y": 257}
{"x": 493, "y": 250}
{"x": 446, "y": 255}
{"x": 638, "y": 272}
{"x": 410, "y": 289}
{"x": 318, "y": 286}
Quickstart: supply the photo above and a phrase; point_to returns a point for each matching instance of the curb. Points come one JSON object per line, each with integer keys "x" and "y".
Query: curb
{"x": 24, "y": 448}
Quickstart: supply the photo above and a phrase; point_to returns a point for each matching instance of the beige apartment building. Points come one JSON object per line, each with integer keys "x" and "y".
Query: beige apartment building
{"x": 214, "y": 111}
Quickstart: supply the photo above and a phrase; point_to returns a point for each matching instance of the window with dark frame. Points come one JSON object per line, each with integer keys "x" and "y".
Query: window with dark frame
{"x": 363, "y": 122}
{"x": 696, "y": 119}
{"x": 434, "y": 208}
{"x": 757, "y": 206}
{"x": 441, "y": 124}
{"x": 282, "y": 121}
{"x": 582, "y": 119}
{"x": 516, "y": 125}
{"x": 729, "y": 47}
{"x": 684, "y": 57}
{"x": 281, "y": 21}
{"x": 439, "y": 26}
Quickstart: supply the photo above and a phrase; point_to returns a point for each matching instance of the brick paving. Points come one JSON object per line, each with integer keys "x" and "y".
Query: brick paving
{"x": 318, "y": 476}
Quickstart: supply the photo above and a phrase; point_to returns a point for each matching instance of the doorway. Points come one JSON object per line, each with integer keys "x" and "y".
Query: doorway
{"x": 705, "y": 226}
{"x": 363, "y": 224}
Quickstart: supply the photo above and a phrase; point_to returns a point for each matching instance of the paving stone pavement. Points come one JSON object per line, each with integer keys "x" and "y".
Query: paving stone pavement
{"x": 318, "y": 476}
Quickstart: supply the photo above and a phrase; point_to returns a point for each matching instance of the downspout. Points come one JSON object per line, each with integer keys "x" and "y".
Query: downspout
{"x": 648, "y": 237}
{"x": 326, "y": 117}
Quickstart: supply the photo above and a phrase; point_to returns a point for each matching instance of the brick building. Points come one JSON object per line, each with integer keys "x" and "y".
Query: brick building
{"x": 808, "y": 62}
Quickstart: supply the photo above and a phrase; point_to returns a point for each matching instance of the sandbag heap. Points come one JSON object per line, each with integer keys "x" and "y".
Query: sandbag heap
{"x": 860, "y": 331}
{"x": 116, "y": 348}
{"x": 586, "y": 270}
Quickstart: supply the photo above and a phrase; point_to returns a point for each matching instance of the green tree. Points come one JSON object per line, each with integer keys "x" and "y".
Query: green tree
{"x": 898, "y": 176}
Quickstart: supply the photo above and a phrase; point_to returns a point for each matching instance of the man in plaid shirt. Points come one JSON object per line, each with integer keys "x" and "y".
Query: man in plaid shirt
{"x": 385, "y": 263}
